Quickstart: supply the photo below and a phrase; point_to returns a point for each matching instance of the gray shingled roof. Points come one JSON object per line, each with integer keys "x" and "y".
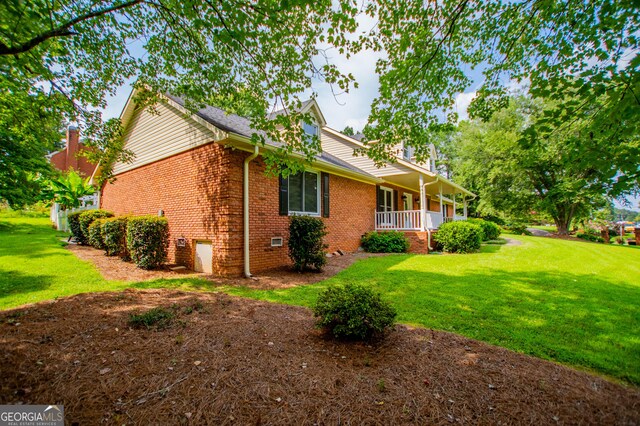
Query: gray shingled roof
{"x": 239, "y": 125}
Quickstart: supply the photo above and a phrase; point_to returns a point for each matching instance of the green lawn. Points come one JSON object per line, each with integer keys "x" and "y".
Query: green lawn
{"x": 550, "y": 228}
{"x": 573, "y": 302}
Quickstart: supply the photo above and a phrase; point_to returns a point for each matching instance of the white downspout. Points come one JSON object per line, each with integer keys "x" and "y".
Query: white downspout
{"x": 245, "y": 216}
{"x": 424, "y": 207}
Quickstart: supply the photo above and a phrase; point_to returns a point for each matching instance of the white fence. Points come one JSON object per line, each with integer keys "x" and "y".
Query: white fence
{"x": 406, "y": 220}
{"x": 59, "y": 216}
{"x": 411, "y": 220}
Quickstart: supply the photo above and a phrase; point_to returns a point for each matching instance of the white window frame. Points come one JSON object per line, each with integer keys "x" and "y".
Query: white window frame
{"x": 407, "y": 152}
{"x": 318, "y": 196}
{"x": 306, "y": 135}
{"x": 390, "y": 191}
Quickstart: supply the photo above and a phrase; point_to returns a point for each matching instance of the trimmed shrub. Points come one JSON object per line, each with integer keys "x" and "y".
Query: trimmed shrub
{"x": 114, "y": 236}
{"x": 148, "y": 240}
{"x": 459, "y": 237}
{"x": 588, "y": 236}
{"x": 385, "y": 242}
{"x": 86, "y": 218}
{"x": 95, "y": 234}
{"x": 306, "y": 248}
{"x": 517, "y": 228}
{"x": 353, "y": 312}
{"x": 490, "y": 231}
{"x": 74, "y": 225}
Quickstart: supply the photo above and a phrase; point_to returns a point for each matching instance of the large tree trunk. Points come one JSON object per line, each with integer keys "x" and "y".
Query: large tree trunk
{"x": 563, "y": 218}
{"x": 562, "y": 226}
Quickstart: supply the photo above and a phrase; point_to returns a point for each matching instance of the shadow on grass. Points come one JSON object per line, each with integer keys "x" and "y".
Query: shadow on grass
{"x": 14, "y": 282}
{"x": 579, "y": 319}
{"x": 28, "y": 240}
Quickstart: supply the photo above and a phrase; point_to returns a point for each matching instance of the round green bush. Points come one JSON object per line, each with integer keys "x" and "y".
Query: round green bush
{"x": 589, "y": 236}
{"x": 459, "y": 237}
{"x": 95, "y": 234}
{"x": 517, "y": 228}
{"x": 114, "y": 236}
{"x": 74, "y": 225}
{"x": 148, "y": 240}
{"x": 306, "y": 248}
{"x": 353, "y": 312}
{"x": 490, "y": 231}
{"x": 86, "y": 218}
{"x": 385, "y": 242}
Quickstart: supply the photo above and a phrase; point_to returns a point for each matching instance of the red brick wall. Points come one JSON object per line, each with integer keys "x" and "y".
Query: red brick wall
{"x": 418, "y": 241}
{"x": 193, "y": 190}
{"x": 351, "y": 206}
{"x": 200, "y": 192}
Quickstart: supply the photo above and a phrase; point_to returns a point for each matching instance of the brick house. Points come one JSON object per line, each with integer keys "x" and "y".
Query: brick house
{"x": 227, "y": 217}
{"x": 70, "y": 157}
{"x": 67, "y": 159}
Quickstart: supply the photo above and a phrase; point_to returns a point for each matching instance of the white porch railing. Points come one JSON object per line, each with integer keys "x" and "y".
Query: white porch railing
{"x": 411, "y": 220}
{"x": 405, "y": 220}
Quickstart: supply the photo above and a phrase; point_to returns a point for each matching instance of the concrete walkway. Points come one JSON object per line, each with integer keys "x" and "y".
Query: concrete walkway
{"x": 539, "y": 232}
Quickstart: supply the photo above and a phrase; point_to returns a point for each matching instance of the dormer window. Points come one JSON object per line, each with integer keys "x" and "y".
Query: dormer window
{"x": 407, "y": 152}
{"x": 310, "y": 131}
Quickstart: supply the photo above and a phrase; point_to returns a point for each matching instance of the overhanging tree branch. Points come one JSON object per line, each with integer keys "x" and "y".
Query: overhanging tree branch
{"x": 62, "y": 31}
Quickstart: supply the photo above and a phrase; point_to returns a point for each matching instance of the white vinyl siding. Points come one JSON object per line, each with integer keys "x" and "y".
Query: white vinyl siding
{"x": 152, "y": 136}
{"x": 344, "y": 150}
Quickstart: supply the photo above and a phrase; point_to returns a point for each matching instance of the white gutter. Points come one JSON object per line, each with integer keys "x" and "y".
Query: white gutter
{"x": 424, "y": 192}
{"x": 245, "y": 205}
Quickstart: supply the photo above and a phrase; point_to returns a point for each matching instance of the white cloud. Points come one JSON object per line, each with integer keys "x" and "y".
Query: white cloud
{"x": 463, "y": 100}
{"x": 341, "y": 110}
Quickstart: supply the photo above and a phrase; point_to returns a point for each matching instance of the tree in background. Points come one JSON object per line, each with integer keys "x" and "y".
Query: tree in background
{"x": 517, "y": 164}
{"x": 30, "y": 127}
{"x": 348, "y": 131}
{"x": 586, "y": 51}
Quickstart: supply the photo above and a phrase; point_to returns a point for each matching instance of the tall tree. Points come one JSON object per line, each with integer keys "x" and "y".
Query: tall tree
{"x": 587, "y": 50}
{"x": 30, "y": 127}
{"x": 517, "y": 164}
{"x": 348, "y": 131}
{"x": 262, "y": 54}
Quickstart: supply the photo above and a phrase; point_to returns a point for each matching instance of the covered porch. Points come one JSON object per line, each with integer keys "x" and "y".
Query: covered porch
{"x": 418, "y": 201}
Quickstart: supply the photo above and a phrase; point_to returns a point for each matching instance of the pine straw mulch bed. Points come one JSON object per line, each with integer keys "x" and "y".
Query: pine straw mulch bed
{"x": 114, "y": 268}
{"x": 238, "y": 361}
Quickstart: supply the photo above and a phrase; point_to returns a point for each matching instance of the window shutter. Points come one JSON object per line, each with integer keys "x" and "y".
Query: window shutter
{"x": 379, "y": 199}
{"x": 284, "y": 196}
{"x": 325, "y": 194}
{"x": 394, "y": 200}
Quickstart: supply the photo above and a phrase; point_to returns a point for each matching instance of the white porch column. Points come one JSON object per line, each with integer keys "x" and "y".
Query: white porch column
{"x": 454, "y": 206}
{"x": 441, "y": 209}
{"x": 464, "y": 200}
{"x": 423, "y": 205}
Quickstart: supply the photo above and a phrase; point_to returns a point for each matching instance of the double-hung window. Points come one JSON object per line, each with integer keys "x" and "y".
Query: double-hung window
{"x": 310, "y": 131}
{"x": 407, "y": 152}
{"x": 304, "y": 193}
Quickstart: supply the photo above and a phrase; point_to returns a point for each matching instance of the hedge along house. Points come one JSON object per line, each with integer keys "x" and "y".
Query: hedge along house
{"x": 226, "y": 217}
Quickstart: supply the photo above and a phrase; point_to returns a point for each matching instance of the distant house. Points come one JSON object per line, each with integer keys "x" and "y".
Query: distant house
{"x": 70, "y": 157}
{"x": 227, "y": 217}
{"x": 67, "y": 159}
